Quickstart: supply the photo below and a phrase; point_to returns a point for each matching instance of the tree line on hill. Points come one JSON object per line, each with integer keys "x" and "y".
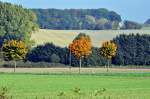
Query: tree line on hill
{"x": 18, "y": 22}
{"x": 77, "y": 19}
{"x": 67, "y": 19}
{"x": 132, "y": 50}
{"x": 147, "y": 23}
{"x": 130, "y": 25}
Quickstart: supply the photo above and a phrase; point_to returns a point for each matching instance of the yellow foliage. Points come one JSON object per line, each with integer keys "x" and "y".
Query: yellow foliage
{"x": 81, "y": 47}
{"x": 14, "y": 50}
{"x": 108, "y": 49}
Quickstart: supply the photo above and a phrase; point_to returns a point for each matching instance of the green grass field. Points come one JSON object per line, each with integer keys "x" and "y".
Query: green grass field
{"x": 64, "y": 37}
{"x": 117, "y": 85}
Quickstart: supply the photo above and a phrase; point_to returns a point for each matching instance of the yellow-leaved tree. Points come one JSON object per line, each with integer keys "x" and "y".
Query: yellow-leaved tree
{"x": 81, "y": 48}
{"x": 108, "y": 50}
{"x": 14, "y": 50}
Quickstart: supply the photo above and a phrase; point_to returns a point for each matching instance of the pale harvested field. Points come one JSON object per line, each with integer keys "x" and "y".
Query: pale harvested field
{"x": 73, "y": 70}
{"x": 64, "y": 37}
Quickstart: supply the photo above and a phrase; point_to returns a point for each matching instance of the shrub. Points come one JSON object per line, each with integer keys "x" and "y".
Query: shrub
{"x": 55, "y": 58}
{"x": 4, "y": 93}
{"x": 28, "y": 64}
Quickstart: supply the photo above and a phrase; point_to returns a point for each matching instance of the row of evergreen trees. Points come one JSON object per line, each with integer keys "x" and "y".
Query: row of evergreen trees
{"x": 133, "y": 50}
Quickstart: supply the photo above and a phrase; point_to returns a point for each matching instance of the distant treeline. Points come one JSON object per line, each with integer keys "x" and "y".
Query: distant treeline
{"x": 147, "y": 22}
{"x": 92, "y": 19}
{"x": 132, "y": 50}
{"x": 20, "y": 22}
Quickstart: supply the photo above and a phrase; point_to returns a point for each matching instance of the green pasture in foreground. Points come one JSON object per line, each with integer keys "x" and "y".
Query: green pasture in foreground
{"x": 117, "y": 85}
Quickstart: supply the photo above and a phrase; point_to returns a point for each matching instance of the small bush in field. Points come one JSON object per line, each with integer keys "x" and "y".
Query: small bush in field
{"x": 61, "y": 94}
{"x": 77, "y": 90}
{"x": 4, "y": 93}
{"x": 55, "y": 58}
{"x": 77, "y": 94}
{"x": 99, "y": 92}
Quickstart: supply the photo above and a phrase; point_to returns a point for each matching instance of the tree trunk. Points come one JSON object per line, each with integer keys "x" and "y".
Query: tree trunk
{"x": 70, "y": 58}
{"x": 105, "y": 65}
{"x": 15, "y": 66}
{"x": 70, "y": 61}
{"x": 80, "y": 65}
{"x": 108, "y": 65}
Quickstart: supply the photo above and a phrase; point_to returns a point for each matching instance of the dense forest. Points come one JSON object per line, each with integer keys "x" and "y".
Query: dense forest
{"x": 132, "y": 50}
{"x": 92, "y": 19}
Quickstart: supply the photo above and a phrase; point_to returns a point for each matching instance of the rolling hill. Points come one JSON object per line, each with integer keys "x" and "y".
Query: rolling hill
{"x": 64, "y": 37}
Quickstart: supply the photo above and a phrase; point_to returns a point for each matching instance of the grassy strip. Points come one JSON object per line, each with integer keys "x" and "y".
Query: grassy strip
{"x": 147, "y": 74}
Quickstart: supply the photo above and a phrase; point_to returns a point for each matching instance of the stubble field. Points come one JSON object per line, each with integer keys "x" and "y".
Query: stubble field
{"x": 64, "y": 37}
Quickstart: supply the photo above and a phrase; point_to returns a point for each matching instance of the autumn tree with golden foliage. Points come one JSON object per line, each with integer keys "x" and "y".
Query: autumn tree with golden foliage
{"x": 81, "y": 48}
{"x": 108, "y": 50}
{"x": 14, "y": 50}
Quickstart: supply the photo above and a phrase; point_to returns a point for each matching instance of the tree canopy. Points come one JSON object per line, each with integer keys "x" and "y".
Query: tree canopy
{"x": 147, "y": 22}
{"x": 108, "y": 49}
{"x": 132, "y": 49}
{"x": 91, "y": 19}
{"x": 81, "y": 47}
{"x": 131, "y": 25}
{"x": 14, "y": 50}
{"x": 16, "y": 22}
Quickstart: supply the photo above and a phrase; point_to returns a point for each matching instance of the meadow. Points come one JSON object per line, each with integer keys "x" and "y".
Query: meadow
{"x": 64, "y": 37}
{"x": 77, "y": 86}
